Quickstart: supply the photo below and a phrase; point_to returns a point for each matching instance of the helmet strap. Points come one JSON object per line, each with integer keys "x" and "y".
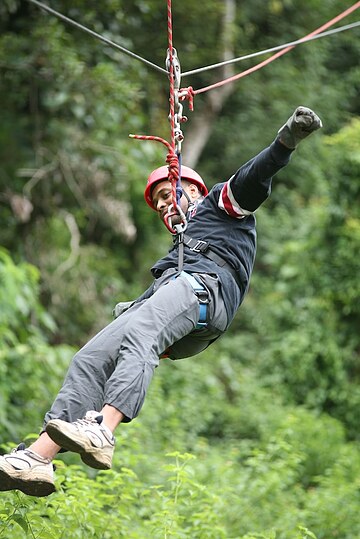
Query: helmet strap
{"x": 186, "y": 196}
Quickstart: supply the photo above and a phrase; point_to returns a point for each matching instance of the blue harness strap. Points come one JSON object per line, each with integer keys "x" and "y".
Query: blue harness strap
{"x": 202, "y": 295}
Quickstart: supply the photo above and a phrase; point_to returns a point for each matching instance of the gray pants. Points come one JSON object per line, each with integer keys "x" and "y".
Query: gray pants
{"x": 116, "y": 366}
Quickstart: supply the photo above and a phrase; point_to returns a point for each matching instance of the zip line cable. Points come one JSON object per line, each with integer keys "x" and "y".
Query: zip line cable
{"x": 273, "y": 49}
{"x": 98, "y": 36}
{"x": 274, "y": 56}
{"x": 289, "y": 45}
{"x": 176, "y": 95}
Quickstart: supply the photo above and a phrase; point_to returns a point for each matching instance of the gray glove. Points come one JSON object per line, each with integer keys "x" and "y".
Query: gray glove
{"x": 299, "y": 126}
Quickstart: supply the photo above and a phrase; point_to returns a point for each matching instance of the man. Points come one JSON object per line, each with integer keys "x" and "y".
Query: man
{"x": 198, "y": 287}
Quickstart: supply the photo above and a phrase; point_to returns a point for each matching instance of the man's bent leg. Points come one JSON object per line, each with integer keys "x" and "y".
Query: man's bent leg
{"x": 83, "y": 387}
{"x": 167, "y": 316}
{"x": 133, "y": 351}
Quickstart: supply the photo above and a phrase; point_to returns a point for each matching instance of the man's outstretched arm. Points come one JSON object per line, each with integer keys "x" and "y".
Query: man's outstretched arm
{"x": 251, "y": 184}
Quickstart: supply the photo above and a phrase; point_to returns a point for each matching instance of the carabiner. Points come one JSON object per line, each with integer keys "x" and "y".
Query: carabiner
{"x": 176, "y": 67}
{"x": 168, "y": 219}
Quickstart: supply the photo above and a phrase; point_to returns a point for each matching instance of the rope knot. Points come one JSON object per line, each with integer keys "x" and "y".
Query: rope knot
{"x": 187, "y": 93}
{"x": 173, "y": 162}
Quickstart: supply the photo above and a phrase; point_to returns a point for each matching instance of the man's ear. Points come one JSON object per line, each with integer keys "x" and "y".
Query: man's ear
{"x": 193, "y": 191}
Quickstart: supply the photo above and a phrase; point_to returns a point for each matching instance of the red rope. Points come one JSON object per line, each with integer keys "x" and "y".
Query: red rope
{"x": 278, "y": 54}
{"x": 152, "y": 137}
{"x": 171, "y": 75}
{"x": 187, "y": 93}
{"x": 172, "y": 158}
{"x": 173, "y": 174}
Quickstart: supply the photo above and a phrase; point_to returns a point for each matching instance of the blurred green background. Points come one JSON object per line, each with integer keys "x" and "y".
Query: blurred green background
{"x": 258, "y": 436}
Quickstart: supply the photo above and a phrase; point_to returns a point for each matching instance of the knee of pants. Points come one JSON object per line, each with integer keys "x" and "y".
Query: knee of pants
{"x": 91, "y": 362}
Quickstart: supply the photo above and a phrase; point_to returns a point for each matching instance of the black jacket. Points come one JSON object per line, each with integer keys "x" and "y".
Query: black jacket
{"x": 231, "y": 237}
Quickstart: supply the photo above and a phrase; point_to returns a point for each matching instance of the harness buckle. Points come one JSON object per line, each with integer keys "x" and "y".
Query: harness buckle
{"x": 203, "y": 296}
{"x": 200, "y": 246}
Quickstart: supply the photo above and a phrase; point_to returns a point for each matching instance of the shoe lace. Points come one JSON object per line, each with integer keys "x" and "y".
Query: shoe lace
{"x": 85, "y": 421}
{"x": 20, "y": 447}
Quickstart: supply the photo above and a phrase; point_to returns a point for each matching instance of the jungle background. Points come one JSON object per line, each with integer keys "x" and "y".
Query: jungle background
{"x": 257, "y": 437}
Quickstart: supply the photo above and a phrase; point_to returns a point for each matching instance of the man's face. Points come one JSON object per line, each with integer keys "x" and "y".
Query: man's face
{"x": 162, "y": 198}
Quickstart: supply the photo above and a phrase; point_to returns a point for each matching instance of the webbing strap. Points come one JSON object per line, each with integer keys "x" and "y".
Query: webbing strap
{"x": 203, "y": 247}
{"x": 180, "y": 240}
{"x": 202, "y": 294}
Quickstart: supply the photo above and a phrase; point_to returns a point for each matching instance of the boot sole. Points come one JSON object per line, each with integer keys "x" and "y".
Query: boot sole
{"x": 38, "y": 487}
{"x": 88, "y": 453}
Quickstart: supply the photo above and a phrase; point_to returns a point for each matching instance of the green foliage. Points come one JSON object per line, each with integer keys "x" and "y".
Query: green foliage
{"x": 29, "y": 367}
{"x": 69, "y": 170}
{"x": 257, "y": 494}
{"x": 304, "y": 307}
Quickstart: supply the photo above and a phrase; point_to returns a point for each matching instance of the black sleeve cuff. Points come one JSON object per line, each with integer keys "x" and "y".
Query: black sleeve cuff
{"x": 279, "y": 152}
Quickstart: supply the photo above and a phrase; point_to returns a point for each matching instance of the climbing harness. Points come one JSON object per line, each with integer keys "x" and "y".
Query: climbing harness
{"x": 204, "y": 248}
{"x": 203, "y": 298}
{"x": 200, "y": 291}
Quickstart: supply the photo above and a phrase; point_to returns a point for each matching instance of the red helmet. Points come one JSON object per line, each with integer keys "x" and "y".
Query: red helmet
{"x": 160, "y": 174}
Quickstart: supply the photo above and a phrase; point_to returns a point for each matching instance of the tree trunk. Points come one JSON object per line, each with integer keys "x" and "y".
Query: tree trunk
{"x": 201, "y": 124}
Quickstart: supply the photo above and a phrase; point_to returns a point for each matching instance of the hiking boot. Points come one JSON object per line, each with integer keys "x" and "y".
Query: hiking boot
{"x": 88, "y": 436}
{"x": 24, "y": 470}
